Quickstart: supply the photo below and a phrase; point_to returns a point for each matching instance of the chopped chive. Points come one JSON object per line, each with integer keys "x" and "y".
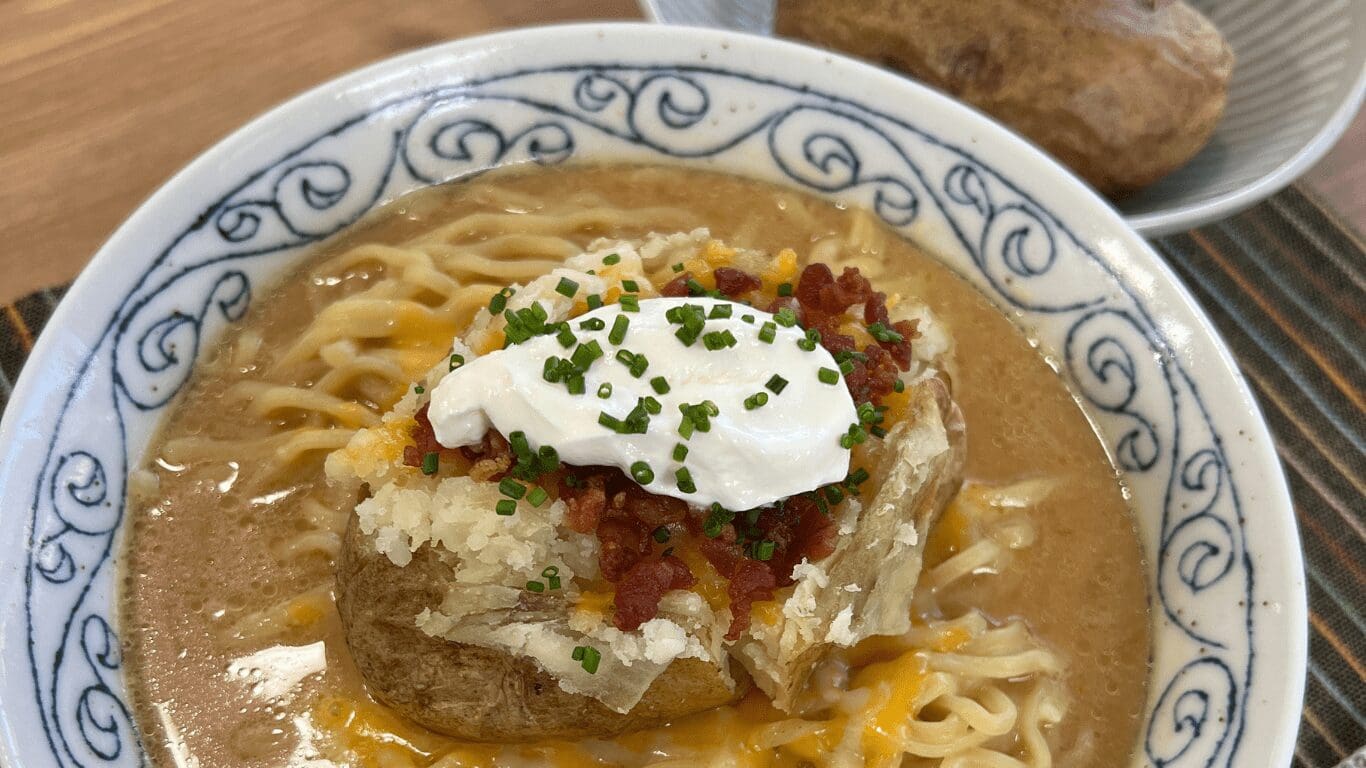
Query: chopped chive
{"x": 611, "y": 258}
{"x": 551, "y": 370}
{"x": 764, "y": 550}
{"x": 678, "y": 267}
{"x": 591, "y": 658}
{"x": 638, "y": 365}
{"x": 457, "y": 361}
{"x": 847, "y": 367}
{"x": 883, "y": 333}
{"x": 756, "y": 400}
{"x": 687, "y": 335}
{"x": 418, "y": 389}
{"x": 630, "y": 285}
{"x": 593, "y": 324}
{"x": 594, "y": 301}
{"x": 619, "y": 327}
{"x": 660, "y": 385}
{"x": 574, "y": 383}
{"x": 605, "y": 390}
{"x": 661, "y": 534}
{"x": 833, "y": 494}
{"x": 786, "y": 317}
{"x": 535, "y": 586}
{"x": 429, "y": 462}
{"x": 719, "y": 312}
{"x": 717, "y": 519}
{"x": 611, "y": 422}
{"x": 898, "y": 386}
{"x": 585, "y": 354}
{"x": 828, "y": 376}
{"x": 680, "y": 452}
{"x": 867, "y": 413}
{"x": 505, "y": 507}
{"x": 813, "y": 337}
{"x": 878, "y": 432}
{"x": 685, "y": 427}
{"x": 499, "y": 302}
{"x": 858, "y": 476}
{"x": 653, "y": 406}
{"x": 509, "y": 487}
{"x": 567, "y": 287}
{"x": 785, "y": 289}
{"x": 566, "y": 337}
{"x": 747, "y": 319}
{"x": 537, "y": 496}
{"x": 625, "y": 356}
{"x": 776, "y": 384}
{"x": 768, "y": 332}
{"x": 629, "y": 303}
{"x": 695, "y": 288}
{"x": 550, "y": 572}
{"x": 578, "y": 653}
{"x": 641, "y": 473}
{"x": 521, "y": 447}
{"x": 685, "y": 482}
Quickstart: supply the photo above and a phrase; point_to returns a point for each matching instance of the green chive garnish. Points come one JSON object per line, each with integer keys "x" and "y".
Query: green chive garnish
{"x": 567, "y": 287}
{"x": 611, "y": 258}
{"x": 535, "y": 586}
{"x": 768, "y": 332}
{"x": 619, "y": 327}
{"x": 629, "y": 303}
{"x": 605, "y": 390}
{"x": 898, "y": 386}
{"x": 591, "y": 658}
{"x": 661, "y": 534}
{"x": 594, "y": 301}
{"x": 429, "y": 462}
{"x": 578, "y": 653}
{"x": 786, "y": 317}
{"x": 653, "y": 406}
{"x": 566, "y": 337}
{"x": 877, "y": 432}
{"x": 684, "y": 478}
{"x": 457, "y": 361}
{"x": 642, "y": 473}
{"x": 680, "y": 452}
{"x": 593, "y": 324}
{"x": 828, "y": 376}
{"x": 847, "y": 367}
{"x": 419, "y": 389}
{"x": 505, "y": 507}
{"x": 660, "y": 385}
{"x": 574, "y": 383}
{"x": 537, "y": 496}
{"x": 833, "y": 494}
{"x": 499, "y": 302}
{"x": 756, "y": 400}
{"x": 785, "y": 289}
{"x": 509, "y": 487}
{"x": 678, "y": 267}
{"x": 585, "y": 354}
{"x": 719, "y": 312}
{"x": 695, "y": 288}
{"x": 764, "y": 550}
{"x": 776, "y": 384}
{"x": 630, "y": 285}
{"x": 857, "y": 477}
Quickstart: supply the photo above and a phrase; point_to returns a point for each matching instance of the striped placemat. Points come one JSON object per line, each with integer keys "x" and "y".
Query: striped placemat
{"x": 1285, "y": 282}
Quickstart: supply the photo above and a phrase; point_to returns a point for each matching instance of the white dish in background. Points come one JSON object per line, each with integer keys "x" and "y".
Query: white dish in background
{"x": 1297, "y": 84}
{"x": 1212, "y": 507}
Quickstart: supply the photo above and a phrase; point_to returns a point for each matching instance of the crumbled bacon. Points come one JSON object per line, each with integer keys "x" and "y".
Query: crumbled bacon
{"x": 677, "y": 286}
{"x": 735, "y": 282}
{"x": 642, "y": 587}
{"x": 585, "y": 503}
{"x": 750, "y": 582}
{"x": 424, "y": 441}
{"x": 623, "y": 544}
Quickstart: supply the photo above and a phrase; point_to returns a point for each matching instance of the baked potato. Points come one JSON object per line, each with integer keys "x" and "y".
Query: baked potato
{"x": 477, "y": 692}
{"x": 1121, "y": 91}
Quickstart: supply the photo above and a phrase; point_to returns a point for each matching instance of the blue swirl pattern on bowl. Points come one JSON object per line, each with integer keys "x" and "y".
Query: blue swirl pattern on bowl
{"x": 1111, "y": 350}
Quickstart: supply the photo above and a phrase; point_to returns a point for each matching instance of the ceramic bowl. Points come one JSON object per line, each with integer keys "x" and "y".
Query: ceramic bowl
{"x": 1226, "y": 579}
{"x": 1298, "y": 83}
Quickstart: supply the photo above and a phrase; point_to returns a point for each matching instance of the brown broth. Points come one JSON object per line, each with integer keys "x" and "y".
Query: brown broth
{"x": 202, "y": 549}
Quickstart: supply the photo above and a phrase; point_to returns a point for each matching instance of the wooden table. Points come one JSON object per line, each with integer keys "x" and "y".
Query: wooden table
{"x": 102, "y": 100}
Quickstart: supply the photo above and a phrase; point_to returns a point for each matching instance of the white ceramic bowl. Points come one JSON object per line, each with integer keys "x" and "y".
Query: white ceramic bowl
{"x": 1298, "y": 82}
{"x": 1226, "y": 581}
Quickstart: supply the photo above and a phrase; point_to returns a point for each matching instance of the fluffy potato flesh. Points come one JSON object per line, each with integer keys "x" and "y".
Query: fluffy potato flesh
{"x": 476, "y": 692}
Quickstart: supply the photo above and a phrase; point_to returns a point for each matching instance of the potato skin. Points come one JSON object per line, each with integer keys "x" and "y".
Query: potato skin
{"x": 473, "y": 692}
{"x": 1121, "y": 91}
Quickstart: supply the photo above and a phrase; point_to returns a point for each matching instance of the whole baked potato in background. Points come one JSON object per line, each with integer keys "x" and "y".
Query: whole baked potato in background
{"x": 475, "y": 692}
{"x": 1121, "y": 91}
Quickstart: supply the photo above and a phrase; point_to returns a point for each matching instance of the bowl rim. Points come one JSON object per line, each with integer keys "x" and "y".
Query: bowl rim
{"x": 103, "y": 265}
{"x": 1178, "y": 218}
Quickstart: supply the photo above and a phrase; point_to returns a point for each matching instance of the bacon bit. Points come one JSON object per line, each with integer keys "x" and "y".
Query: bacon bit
{"x": 424, "y": 441}
{"x": 875, "y": 309}
{"x": 901, "y": 350}
{"x": 802, "y": 531}
{"x": 585, "y": 504}
{"x": 624, "y": 543}
{"x": 653, "y": 510}
{"x": 643, "y": 586}
{"x": 734, "y": 282}
{"x": 677, "y": 286}
{"x": 751, "y": 581}
{"x": 788, "y": 302}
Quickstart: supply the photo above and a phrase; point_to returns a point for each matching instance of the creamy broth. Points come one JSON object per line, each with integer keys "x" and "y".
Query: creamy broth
{"x": 234, "y": 649}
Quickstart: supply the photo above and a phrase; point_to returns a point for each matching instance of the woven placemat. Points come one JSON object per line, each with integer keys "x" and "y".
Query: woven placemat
{"x": 1285, "y": 282}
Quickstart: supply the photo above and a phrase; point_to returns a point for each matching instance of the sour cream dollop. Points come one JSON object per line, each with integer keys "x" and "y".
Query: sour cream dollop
{"x": 750, "y": 457}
